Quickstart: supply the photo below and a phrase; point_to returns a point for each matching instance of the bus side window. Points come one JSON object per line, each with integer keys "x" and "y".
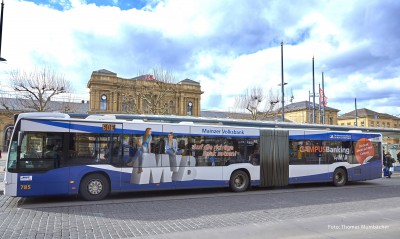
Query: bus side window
{"x": 296, "y": 156}
{"x": 255, "y": 154}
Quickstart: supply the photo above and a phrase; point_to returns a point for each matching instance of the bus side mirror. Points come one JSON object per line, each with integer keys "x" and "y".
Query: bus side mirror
{"x": 20, "y": 137}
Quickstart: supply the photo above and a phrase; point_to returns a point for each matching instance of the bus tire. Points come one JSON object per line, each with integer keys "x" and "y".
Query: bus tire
{"x": 339, "y": 177}
{"x": 239, "y": 181}
{"x": 94, "y": 187}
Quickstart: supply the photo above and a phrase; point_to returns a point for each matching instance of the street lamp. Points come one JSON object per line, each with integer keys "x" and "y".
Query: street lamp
{"x": 283, "y": 98}
{"x": 1, "y": 28}
{"x": 282, "y": 85}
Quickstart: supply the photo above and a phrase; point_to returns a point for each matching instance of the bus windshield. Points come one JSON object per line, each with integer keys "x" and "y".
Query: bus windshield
{"x": 12, "y": 156}
{"x": 39, "y": 152}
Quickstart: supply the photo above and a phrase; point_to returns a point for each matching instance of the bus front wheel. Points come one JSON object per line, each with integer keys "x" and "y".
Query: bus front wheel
{"x": 339, "y": 177}
{"x": 94, "y": 187}
{"x": 239, "y": 181}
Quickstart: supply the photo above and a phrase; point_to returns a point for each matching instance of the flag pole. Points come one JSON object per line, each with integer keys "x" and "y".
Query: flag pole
{"x": 282, "y": 85}
{"x": 319, "y": 106}
{"x": 323, "y": 99}
{"x": 309, "y": 106}
{"x": 313, "y": 86}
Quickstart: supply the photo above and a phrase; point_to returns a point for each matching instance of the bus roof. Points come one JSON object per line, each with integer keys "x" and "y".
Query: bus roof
{"x": 189, "y": 120}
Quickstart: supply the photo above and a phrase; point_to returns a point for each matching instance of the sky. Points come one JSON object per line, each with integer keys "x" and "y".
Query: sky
{"x": 228, "y": 46}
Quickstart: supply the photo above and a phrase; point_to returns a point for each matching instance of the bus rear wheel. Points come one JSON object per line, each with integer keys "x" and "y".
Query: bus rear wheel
{"x": 94, "y": 187}
{"x": 339, "y": 177}
{"x": 239, "y": 181}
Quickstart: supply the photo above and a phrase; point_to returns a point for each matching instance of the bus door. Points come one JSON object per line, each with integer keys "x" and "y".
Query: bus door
{"x": 40, "y": 153}
{"x": 339, "y": 152}
{"x": 317, "y": 162}
{"x": 375, "y": 162}
{"x": 94, "y": 147}
{"x": 274, "y": 157}
{"x": 361, "y": 158}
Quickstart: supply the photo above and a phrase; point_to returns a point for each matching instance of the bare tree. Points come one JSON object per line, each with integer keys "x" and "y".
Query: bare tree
{"x": 129, "y": 94}
{"x": 273, "y": 100}
{"x": 152, "y": 90}
{"x": 36, "y": 89}
{"x": 250, "y": 101}
{"x": 155, "y": 95}
{"x": 259, "y": 104}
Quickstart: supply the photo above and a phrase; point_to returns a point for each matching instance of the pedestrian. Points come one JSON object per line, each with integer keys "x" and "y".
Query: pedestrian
{"x": 398, "y": 157}
{"x": 388, "y": 163}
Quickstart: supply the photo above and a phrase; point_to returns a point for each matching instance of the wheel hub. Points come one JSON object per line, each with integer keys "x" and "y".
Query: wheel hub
{"x": 239, "y": 181}
{"x": 95, "y": 187}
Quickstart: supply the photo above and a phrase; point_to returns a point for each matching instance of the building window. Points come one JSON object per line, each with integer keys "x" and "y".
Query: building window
{"x": 128, "y": 104}
{"x": 124, "y": 107}
{"x": 377, "y": 124}
{"x": 371, "y": 124}
{"x": 171, "y": 107}
{"x": 145, "y": 107}
{"x": 342, "y": 124}
{"x": 348, "y": 123}
{"x": 190, "y": 108}
{"x": 103, "y": 102}
{"x": 165, "y": 109}
{"x": 362, "y": 123}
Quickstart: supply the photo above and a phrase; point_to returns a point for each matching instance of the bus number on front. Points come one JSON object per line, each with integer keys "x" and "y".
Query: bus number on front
{"x": 25, "y": 187}
{"x": 108, "y": 127}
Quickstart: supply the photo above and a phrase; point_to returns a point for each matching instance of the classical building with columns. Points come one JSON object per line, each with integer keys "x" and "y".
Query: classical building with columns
{"x": 142, "y": 95}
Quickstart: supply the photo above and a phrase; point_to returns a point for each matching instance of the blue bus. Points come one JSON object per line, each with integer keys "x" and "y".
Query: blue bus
{"x": 55, "y": 154}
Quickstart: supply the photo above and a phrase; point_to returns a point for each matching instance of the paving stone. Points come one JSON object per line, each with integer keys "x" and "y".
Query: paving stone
{"x": 148, "y": 218}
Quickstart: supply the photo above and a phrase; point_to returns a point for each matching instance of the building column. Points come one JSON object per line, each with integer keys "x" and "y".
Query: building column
{"x": 181, "y": 104}
{"x": 91, "y": 106}
{"x": 139, "y": 104}
{"x": 96, "y": 101}
{"x": 195, "y": 107}
{"x": 111, "y": 102}
{"x": 176, "y": 105}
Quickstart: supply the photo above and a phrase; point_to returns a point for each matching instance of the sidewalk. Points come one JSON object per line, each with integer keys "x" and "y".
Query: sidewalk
{"x": 394, "y": 174}
{"x": 3, "y": 162}
{"x": 3, "y": 159}
{"x": 357, "y": 225}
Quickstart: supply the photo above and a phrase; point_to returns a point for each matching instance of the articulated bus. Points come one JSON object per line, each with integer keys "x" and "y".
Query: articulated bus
{"x": 55, "y": 154}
